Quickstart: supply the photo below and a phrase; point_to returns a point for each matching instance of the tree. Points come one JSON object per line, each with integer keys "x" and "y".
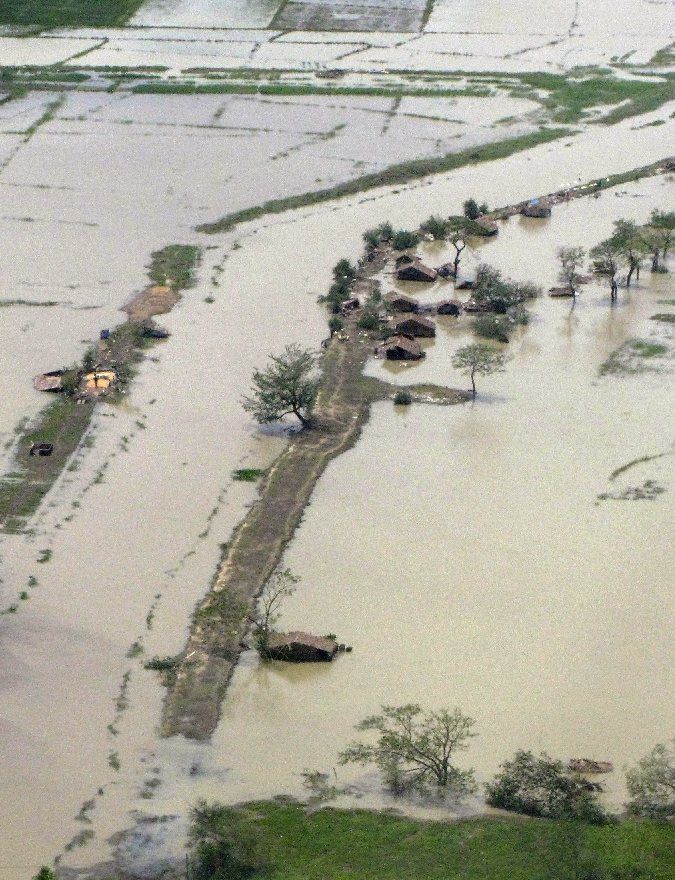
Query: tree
{"x": 651, "y": 784}
{"x": 471, "y": 209}
{"x": 335, "y": 324}
{"x": 629, "y": 241}
{"x": 571, "y": 259}
{"x": 404, "y": 239}
{"x": 495, "y": 294}
{"x": 344, "y": 271}
{"x": 287, "y": 386}
{"x": 457, "y": 238}
{"x": 45, "y": 873}
{"x": 478, "y": 359}
{"x": 660, "y": 230}
{"x": 607, "y": 259}
{"x": 414, "y": 750}
{"x": 435, "y": 226}
{"x": 223, "y": 846}
{"x": 542, "y": 786}
{"x": 279, "y": 587}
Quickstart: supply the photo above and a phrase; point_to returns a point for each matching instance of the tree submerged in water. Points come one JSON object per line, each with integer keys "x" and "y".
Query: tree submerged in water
{"x": 478, "y": 359}
{"x": 414, "y": 749}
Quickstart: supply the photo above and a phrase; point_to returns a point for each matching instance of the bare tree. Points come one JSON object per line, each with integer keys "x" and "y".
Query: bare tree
{"x": 278, "y": 588}
{"x": 457, "y": 239}
{"x": 414, "y": 750}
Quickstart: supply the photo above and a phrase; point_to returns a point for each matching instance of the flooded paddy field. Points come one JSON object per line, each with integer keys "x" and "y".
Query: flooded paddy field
{"x": 129, "y": 538}
{"x": 121, "y": 572}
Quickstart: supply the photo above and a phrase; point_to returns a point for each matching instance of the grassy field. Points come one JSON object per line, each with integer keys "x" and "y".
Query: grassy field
{"x": 67, "y": 13}
{"x": 358, "y": 845}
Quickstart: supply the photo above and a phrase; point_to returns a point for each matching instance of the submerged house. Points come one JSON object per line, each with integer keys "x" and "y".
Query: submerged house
{"x": 300, "y": 647}
{"x": 449, "y": 307}
{"x": 399, "y": 302}
{"x": 400, "y": 348}
{"x": 536, "y": 208}
{"x": 51, "y": 381}
{"x": 413, "y": 269}
{"x": 416, "y": 325}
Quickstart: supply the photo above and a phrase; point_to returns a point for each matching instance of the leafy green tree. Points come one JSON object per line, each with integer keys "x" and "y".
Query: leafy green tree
{"x": 651, "y": 784}
{"x": 288, "y": 386}
{"x": 415, "y": 749}
{"x": 335, "y": 324}
{"x": 471, "y": 209}
{"x": 608, "y": 257}
{"x": 495, "y": 294}
{"x": 45, "y": 873}
{"x": 344, "y": 271}
{"x": 571, "y": 259}
{"x": 629, "y": 241}
{"x": 542, "y": 786}
{"x": 435, "y": 226}
{"x": 404, "y": 239}
{"x": 456, "y": 236}
{"x": 663, "y": 222}
{"x": 221, "y": 845}
{"x": 478, "y": 359}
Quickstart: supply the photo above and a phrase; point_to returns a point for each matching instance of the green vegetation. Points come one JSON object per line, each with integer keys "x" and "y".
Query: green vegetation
{"x": 403, "y": 239}
{"x": 175, "y": 263}
{"x": 331, "y": 844}
{"x": 395, "y": 174}
{"x": 541, "y": 786}
{"x": 651, "y": 784}
{"x": 628, "y": 358}
{"x": 68, "y": 13}
{"x": 278, "y": 588}
{"x": 415, "y": 749}
{"x": 403, "y": 398}
{"x": 248, "y": 475}
{"x": 288, "y": 386}
{"x": 478, "y": 359}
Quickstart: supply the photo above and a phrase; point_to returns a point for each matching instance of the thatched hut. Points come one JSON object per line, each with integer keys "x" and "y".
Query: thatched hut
{"x": 416, "y": 325}
{"x": 447, "y": 270}
{"x": 51, "y": 381}
{"x": 300, "y": 647}
{"x": 399, "y": 302}
{"x": 449, "y": 307}
{"x": 408, "y": 269}
{"x": 536, "y": 208}
{"x": 400, "y": 348}
{"x": 465, "y": 283}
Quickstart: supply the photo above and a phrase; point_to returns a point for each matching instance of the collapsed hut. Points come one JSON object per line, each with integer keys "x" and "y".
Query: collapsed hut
{"x": 413, "y": 269}
{"x": 449, "y": 307}
{"x": 416, "y": 325}
{"x": 536, "y": 208}
{"x": 400, "y": 348}
{"x": 447, "y": 270}
{"x": 51, "y": 381}
{"x": 300, "y": 647}
{"x": 399, "y": 302}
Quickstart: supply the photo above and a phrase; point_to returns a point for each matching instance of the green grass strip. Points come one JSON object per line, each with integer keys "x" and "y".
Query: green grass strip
{"x": 67, "y": 13}
{"x": 394, "y": 174}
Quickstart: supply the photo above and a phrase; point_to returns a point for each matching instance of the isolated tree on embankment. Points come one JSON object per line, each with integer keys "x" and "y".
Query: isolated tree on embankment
{"x": 415, "y": 749}
{"x": 287, "y": 386}
{"x": 478, "y": 359}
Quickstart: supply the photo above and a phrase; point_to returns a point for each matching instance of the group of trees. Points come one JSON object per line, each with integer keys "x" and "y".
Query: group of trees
{"x": 630, "y": 244}
{"x": 415, "y": 751}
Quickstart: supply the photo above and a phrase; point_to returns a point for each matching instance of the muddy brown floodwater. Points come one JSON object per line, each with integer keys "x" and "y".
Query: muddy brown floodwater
{"x": 459, "y": 550}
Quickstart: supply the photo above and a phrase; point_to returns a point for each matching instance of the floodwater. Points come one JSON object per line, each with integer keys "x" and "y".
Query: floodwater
{"x": 135, "y": 528}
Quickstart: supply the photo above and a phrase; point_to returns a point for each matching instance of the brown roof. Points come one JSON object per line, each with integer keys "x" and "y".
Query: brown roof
{"x": 48, "y": 381}
{"x": 278, "y": 640}
{"x": 393, "y": 298}
{"x": 420, "y": 320}
{"x": 404, "y": 342}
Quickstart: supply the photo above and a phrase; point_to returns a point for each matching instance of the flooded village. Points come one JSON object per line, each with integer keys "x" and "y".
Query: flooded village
{"x": 336, "y": 505}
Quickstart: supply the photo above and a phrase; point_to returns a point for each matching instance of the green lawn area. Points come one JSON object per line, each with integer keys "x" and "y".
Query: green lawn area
{"x": 64, "y": 13}
{"x": 358, "y": 845}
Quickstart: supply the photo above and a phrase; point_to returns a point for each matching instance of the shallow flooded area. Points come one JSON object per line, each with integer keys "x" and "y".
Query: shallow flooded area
{"x": 460, "y": 550}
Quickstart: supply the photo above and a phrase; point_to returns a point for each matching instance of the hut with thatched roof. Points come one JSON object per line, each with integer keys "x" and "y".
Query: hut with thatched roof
{"x": 300, "y": 647}
{"x": 51, "y": 381}
{"x": 536, "y": 208}
{"x": 416, "y": 325}
{"x": 413, "y": 269}
{"x": 399, "y": 302}
{"x": 449, "y": 307}
{"x": 400, "y": 348}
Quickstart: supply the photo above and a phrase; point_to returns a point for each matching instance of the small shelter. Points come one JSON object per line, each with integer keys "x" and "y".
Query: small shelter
{"x": 447, "y": 270}
{"x": 488, "y": 227}
{"x": 300, "y": 647}
{"x": 413, "y": 269}
{"x": 98, "y": 381}
{"x": 536, "y": 208}
{"x": 400, "y": 348}
{"x": 349, "y": 305}
{"x": 416, "y": 325}
{"x": 465, "y": 283}
{"x": 449, "y": 307}
{"x": 399, "y": 302}
{"x": 49, "y": 381}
